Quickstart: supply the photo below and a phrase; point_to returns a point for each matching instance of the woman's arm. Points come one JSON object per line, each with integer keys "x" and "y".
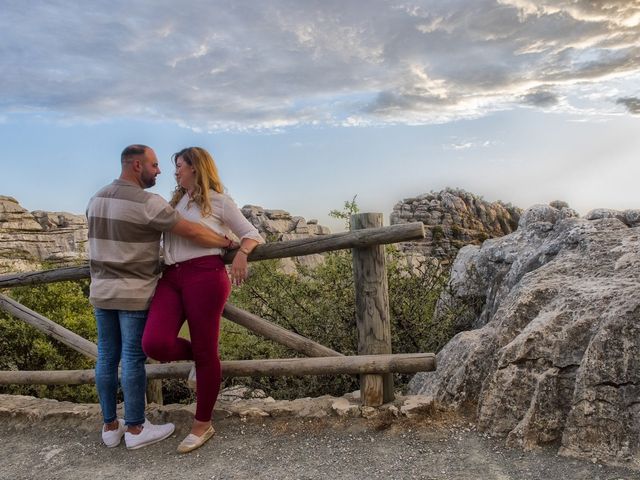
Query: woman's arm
{"x": 249, "y": 235}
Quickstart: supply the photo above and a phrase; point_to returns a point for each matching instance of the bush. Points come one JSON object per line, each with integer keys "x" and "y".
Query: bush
{"x": 22, "y": 347}
{"x": 319, "y": 303}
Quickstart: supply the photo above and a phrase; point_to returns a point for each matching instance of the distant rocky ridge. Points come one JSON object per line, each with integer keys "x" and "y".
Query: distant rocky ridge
{"x": 60, "y": 238}
{"x": 453, "y": 218}
{"x": 29, "y": 238}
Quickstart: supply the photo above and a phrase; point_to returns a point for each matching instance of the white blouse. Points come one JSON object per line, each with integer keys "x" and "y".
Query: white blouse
{"x": 225, "y": 218}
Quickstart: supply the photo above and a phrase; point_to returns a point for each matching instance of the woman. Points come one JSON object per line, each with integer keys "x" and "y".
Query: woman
{"x": 195, "y": 286}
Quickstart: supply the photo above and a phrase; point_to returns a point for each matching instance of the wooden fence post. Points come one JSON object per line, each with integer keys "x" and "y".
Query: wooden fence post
{"x": 154, "y": 389}
{"x": 372, "y": 310}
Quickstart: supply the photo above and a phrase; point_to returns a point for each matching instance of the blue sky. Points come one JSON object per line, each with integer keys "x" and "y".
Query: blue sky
{"x": 305, "y": 104}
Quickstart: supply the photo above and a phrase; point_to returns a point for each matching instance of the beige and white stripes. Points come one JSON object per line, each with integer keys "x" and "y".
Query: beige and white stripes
{"x": 125, "y": 226}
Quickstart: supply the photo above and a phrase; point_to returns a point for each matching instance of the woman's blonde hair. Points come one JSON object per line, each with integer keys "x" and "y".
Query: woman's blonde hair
{"x": 206, "y": 174}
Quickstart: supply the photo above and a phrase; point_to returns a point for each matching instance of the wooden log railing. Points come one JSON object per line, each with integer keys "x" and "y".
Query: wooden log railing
{"x": 374, "y": 362}
{"x": 360, "y": 364}
{"x": 288, "y": 248}
{"x": 274, "y": 332}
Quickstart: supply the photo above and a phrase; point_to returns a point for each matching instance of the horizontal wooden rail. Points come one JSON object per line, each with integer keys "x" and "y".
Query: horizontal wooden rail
{"x": 287, "y": 248}
{"x": 49, "y": 327}
{"x": 44, "y": 276}
{"x": 365, "y": 364}
{"x": 274, "y": 332}
{"x": 335, "y": 241}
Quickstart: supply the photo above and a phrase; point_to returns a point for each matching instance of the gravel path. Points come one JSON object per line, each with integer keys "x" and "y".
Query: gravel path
{"x": 285, "y": 449}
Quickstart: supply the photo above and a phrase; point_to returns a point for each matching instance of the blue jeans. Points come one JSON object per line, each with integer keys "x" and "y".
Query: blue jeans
{"x": 120, "y": 338}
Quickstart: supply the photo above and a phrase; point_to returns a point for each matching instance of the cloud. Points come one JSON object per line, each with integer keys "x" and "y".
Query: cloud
{"x": 467, "y": 144}
{"x": 213, "y": 65}
{"x": 631, "y": 103}
{"x": 540, "y": 98}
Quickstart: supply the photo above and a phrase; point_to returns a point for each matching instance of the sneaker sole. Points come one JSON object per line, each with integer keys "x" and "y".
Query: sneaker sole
{"x": 113, "y": 445}
{"x": 151, "y": 442}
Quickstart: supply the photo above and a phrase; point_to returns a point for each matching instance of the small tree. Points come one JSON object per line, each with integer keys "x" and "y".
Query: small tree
{"x": 349, "y": 208}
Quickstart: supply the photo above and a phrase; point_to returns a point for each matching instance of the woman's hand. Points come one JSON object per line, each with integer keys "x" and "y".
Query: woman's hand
{"x": 239, "y": 268}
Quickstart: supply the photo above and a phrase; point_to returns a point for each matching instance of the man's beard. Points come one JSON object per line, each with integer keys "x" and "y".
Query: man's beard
{"x": 148, "y": 180}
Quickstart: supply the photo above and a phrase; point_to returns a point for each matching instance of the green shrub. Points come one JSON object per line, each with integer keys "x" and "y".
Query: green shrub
{"x": 22, "y": 347}
{"x": 319, "y": 303}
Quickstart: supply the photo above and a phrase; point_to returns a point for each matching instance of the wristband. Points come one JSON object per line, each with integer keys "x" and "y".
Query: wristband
{"x": 228, "y": 244}
{"x": 244, "y": 250}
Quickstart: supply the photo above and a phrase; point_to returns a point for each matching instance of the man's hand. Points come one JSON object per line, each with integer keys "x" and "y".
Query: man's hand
{"x": 199, "y": 234}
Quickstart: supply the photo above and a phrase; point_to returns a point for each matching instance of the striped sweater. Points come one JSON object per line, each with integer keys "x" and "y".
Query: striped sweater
{"x": 125, "y": 227}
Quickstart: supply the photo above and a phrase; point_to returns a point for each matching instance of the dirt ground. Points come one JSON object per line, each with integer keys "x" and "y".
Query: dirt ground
{"x": 282, "y": 449}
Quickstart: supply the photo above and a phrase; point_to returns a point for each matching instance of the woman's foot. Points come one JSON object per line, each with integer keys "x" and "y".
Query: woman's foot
{"x": 200, "y": 433}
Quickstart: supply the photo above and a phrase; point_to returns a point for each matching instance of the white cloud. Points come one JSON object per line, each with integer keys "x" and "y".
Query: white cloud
{"x": 270, "y": 65}
{"x": 468, "y": 144}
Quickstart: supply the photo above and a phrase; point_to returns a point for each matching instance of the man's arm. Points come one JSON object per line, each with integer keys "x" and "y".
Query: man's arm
{"x": 197, "y": 233}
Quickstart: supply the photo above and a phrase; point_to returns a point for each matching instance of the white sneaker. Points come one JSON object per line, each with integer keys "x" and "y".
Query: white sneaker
{"x": 149, "y": 435}
{"x": 111, "y": 438}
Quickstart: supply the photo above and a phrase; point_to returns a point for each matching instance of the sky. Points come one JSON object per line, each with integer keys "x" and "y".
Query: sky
{"x": 307, "y": 104}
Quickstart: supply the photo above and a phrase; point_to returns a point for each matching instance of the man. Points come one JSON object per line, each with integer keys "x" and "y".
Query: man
{"x": 125, "y": 227}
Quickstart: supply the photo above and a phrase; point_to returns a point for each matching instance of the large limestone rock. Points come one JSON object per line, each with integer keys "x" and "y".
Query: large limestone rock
{"x": 554, "y": 355}
{"x": 28, "y": 239}
{"x": 453, "y": 218}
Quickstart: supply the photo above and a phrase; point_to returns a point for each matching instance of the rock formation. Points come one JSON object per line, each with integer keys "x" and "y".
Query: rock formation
{"x": 277, "y": 225}
{"x": 453, "y": 218}
{"x": 27, "y": 239}
{"x": 554, "y": 356}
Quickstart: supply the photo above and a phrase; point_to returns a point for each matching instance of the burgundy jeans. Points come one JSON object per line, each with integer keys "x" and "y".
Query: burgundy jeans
{"x": 195, "y": 291}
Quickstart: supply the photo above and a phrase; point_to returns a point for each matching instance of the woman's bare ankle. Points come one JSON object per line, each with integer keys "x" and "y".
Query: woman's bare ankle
{"x": 198, "y": 428}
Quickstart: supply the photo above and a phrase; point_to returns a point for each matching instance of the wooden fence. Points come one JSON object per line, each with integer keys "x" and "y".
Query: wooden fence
{"x": 375, "y": 363}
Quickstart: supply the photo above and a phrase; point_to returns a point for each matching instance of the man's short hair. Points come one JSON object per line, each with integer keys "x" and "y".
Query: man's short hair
{"x": 132, "y": 151}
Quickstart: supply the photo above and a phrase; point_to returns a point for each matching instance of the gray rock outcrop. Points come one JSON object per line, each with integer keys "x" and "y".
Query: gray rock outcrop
{"x": 453, "y": 218}
{"x": 553, "y": 355}
{"x": 277, "y": 225}
{"x": 28, "y": 239}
